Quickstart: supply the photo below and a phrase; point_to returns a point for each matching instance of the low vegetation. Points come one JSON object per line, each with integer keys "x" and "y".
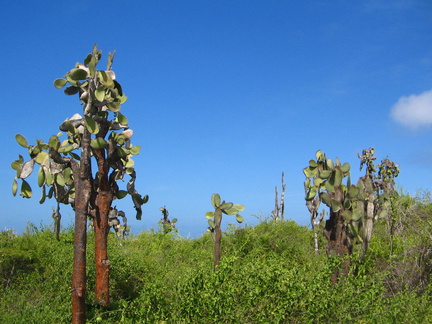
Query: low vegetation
{"x": 268, "y": 273}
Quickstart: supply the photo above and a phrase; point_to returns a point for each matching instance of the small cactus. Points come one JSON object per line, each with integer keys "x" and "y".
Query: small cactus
{"x": 165, "y": 223}
{"x": 215, "y": 220}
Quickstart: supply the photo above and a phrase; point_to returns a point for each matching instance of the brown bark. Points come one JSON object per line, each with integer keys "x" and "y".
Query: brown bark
{"x": 103, "y": 203}
{"x": 79, "y": 264}
{"x": 82, "y": 182}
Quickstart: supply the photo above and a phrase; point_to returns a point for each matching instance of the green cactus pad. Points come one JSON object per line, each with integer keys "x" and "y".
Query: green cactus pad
{"x": 26, "y": 190}
{"x": 78, "y": 74}
{"x": 310, "y": 172}
{"x": 330, "y": 164}
{"x": 325, "y": 174}
{"x": 345, "y": 167}
{"x": 215, "y": 200}
{"x": 325, "y": 198}
{"x": 21, "y": 140}
{"x": 60, "y": 83}
{"x": 353, "y": 191}
{"x": 311, "y": 193}
{"x": 347, "y": 215}
{"x": 335, "y": 206}
{"x": 313, "y": 164}
{"x": 226, "y": 206}
{"x": 239, "y": 207}
{"x": 14, "y": 187}
{"x": 239, "y": 218}
{"x": 357, "y": 215}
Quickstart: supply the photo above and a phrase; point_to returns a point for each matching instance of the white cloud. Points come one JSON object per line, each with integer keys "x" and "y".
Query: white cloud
{"x": 414, "y": 111}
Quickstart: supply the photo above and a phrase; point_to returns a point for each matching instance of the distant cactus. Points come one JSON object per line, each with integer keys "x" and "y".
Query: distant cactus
{"x": 165, "y": 223}
{"x": 121, "y": 230}
{"x": 352, "y": 208}
{"x": 215, "y": 220}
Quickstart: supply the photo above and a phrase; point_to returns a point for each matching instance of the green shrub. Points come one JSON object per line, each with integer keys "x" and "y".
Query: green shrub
{"x": 268, "y": 274}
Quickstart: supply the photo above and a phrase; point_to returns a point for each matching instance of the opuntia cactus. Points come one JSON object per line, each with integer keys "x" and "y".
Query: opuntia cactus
{"x": 324, "y": 183}
{"x": 215, "y": 220}
{"x": 100, "y": 132}
{"x": 387, "y": 194}
{"x": 353, "y": 208}
{"x": 121, "y": 230}
{"x": 165, "y": 223}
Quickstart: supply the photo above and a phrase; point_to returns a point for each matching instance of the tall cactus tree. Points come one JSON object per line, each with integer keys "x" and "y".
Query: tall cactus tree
{"x": 377, "y": 193}
{"x": 101, "y": 134}
{"x": 215, "y": 221}
{"x": 367, "y": 200}
{"x": 353, "y": 208}
{"x": 385, "y": 180}
{"x": 324, "y": 183}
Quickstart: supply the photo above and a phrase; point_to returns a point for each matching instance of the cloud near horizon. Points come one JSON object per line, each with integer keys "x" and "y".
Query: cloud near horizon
{"x": 413, "y": 111}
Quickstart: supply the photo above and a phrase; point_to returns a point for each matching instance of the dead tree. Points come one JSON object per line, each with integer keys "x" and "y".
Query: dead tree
{"x": 279, "y": 211}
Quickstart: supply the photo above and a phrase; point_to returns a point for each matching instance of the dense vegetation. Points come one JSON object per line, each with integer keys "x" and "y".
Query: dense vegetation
{"x": 268, "y": 273}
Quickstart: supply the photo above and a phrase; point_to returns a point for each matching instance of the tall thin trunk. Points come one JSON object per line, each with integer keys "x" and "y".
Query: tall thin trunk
{"x": 217, "y": 250}
{"x": 279, "y": 210}
{"x": 103, "y": 203}
{"x": 276, "y": 209}
{"x": 82, "y": 179}
{"x": 79, "y": 265}
{"x": 369, "y": 224}
{"x": 282, "y": 204}
{"x": 316, "y": 221}
{"x": 316, "y": 246}
{"x": 217, "y": 238}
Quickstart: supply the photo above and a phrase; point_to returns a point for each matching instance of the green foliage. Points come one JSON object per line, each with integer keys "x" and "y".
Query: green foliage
{"x": 267, "y": 275}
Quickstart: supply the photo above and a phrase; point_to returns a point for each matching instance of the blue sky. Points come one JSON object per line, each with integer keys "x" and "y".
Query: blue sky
{"x": 225, "y": 95}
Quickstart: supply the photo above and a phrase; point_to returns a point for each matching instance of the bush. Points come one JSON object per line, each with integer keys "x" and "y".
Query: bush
{"x": 268, "y": 274}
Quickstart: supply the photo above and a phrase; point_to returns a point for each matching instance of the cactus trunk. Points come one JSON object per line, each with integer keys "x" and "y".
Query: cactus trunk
{"x": 82, "y": 176}
{"x": 103, "y": 203}
{"x": 368, "y": 224}
{"x": 338, "y": 244}
{"x": 218, "y": 240}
